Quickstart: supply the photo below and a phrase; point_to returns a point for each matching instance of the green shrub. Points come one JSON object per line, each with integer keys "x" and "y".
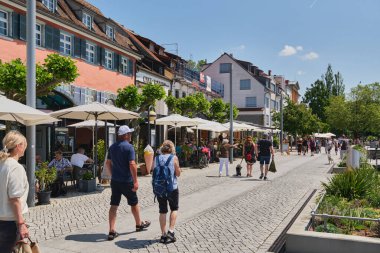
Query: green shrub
{"x": 330, "y": 228}
{"x": 87, "y": 176}
{"x": 352, "y": 184}
{"x": 371, "y": 138}
{"x": 46, "y": 176}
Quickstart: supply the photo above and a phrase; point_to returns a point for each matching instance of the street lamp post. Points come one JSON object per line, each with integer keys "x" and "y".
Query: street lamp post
{"x": 282, "y": 122}
{"x": 227, "y": 68}
{"x": 31, "y": 95}
{"x": 151, "y": 118}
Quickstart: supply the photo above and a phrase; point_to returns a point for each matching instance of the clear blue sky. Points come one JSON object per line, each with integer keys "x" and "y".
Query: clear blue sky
{"x": 294, "y": 38}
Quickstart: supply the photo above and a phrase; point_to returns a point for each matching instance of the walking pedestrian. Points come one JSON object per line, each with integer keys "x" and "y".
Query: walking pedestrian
{"x": 14, "y": 189}
{"x": 312, "y": 146}
{"x": 336, "y": 146}
{"x": 250, "y": 154}
{"x": 265, "y": 148}
{"x": 167, "y": 157}
{"x": 305, "y": 146}
{"x": 121, "y": 163}
{"x": 299, "y": 146}
{"x": 344, "y": 147}
{"x": 224, "y": 155}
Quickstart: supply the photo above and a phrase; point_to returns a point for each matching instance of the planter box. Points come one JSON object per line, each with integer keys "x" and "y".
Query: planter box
{"x": 87, "y": 185}
{"x": 43, "y": 197}
{"x": 338, "y": 170}
{"x": 299, "y": 240}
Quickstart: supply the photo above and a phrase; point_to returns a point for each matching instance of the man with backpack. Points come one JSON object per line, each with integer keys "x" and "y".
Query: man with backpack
{"x": 121, "y": 163}
{"x": 165, "y": 188}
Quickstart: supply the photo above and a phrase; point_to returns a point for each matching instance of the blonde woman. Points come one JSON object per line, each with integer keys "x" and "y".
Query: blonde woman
{"x": 250, "y": 154}
{"x": 168, "y": 157}
{"x": 13, "y": 191}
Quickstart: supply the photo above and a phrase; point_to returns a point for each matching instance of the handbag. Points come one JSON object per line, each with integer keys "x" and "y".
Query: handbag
{"x": 29, "y": 246}
{"x": 272, "y": 166}
{"x": 248, "y": 157}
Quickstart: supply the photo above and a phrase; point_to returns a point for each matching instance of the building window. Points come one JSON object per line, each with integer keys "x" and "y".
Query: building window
{"x": 267, "y": 120}
{"x": 110, "y": 32}
{"x": 87, "y": 20}
{"x": 177, "y": 93}
{"x": 273, "y": 87}
{"x": 108, "y": 59}
{"x": 3, "y": 23}
{"x": 39, "y": 35}
{"x": 245, "y": 84}
{"x": 250, "y": 102}
{"x": 225, "y": 68}
{"x": 266, "y": 102}
{"x": 90, "y": 52}
{"x": 65, "y": 43}
{"x": 50, "y": 4}
{"x": 273, "y": 105}
{"x": 183, "y": 94}
{"x": 125, "y": 66}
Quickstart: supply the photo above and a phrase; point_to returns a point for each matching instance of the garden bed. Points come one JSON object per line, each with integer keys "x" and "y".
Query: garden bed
{"x": 351, "y": 204}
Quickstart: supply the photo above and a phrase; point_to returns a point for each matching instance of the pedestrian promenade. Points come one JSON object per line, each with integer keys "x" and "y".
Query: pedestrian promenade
{"x": 224, "y": 214}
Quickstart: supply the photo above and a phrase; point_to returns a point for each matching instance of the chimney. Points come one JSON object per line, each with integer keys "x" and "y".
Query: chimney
{"x": 269, "y": 72}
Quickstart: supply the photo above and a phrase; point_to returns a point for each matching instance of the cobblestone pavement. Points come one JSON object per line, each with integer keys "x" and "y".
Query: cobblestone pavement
{"x": 225, "y": 214}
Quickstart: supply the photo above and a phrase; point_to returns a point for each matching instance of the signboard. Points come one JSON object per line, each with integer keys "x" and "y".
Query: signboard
{"x": 208, "y": 87}
{"x": 145, "y": 77}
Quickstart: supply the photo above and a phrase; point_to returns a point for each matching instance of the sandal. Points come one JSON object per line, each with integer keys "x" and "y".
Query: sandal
{"x": 112, "y": 235}
{"x": 163, "y": 239}
{"x": 143, "y": 226}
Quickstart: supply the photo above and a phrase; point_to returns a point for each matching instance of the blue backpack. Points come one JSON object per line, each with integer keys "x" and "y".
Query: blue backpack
{"x": 162, "y": 179}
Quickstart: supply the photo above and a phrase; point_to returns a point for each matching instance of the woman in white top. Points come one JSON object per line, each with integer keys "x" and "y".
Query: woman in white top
{"x": 13, "y": 191}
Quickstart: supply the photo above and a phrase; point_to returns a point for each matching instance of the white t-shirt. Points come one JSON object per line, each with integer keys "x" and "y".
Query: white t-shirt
{"x": 13, "y": 184}
{"x": 78, "y": 160}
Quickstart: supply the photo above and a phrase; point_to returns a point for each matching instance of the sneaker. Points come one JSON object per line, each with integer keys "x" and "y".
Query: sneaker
{"x": 170, "y": 237}
{"x": 265, "y": 178}
{"x": 163, "y": 239}
{"x": 261, "y": 176}
{"x": 220, "y": 174}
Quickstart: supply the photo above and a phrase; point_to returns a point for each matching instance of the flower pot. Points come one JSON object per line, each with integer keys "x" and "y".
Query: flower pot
{"x": 87, "y": 185}
{"x": 148, "y": 157}
{"x": 43, "y": 197}
{"x": 143, "y": 170}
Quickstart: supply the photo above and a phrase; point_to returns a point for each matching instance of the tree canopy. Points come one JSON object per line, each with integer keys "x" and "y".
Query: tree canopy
{"x": 318, "y": 95}
{"x": 55, "y": 70}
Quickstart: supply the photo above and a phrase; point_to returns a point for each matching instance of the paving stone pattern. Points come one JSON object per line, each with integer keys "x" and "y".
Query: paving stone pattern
{"x": 79, "y": 211}
{"x": 246, "y": 223}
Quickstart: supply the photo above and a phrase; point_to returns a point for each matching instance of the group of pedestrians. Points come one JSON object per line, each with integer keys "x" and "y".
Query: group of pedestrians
{"x": 262, "y": 151}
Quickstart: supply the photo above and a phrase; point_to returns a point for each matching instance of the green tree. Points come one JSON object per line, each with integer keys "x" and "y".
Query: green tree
{"x": 173, "y": 104}
{"x": 338, "y": 115}
{"x": 131, "y": 99}
{"x": 317, "y": 96}
{"x": 196, "y": 66}
{"x": 54, "y": 71}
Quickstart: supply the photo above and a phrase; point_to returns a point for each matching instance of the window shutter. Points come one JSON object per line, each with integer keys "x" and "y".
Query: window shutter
{"x": 56, "y": 39}
{"x": 48, "y": 37}
{"x": 22, "y": 27}
{"x": 102, "y": 56}
{"x": 77, "y": 47}
{"x": 97, "y": 55}
{"x": 116, "y": 59}
{"x": 130, "y": 67}
{"x": 83, "y": 49}
{"x": 16, "y": 25}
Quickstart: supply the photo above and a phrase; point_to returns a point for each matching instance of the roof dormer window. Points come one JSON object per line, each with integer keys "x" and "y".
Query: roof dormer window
{"x": 87, "y": 20}
{"x": 110, "y": 32}
{"x": 50, "y": 4}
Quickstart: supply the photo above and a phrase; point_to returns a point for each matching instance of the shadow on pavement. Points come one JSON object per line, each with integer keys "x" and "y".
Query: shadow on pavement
{"x": 253, "y": 179}
{"x": 133, "y": 243}
{"x": 91, "y": 237}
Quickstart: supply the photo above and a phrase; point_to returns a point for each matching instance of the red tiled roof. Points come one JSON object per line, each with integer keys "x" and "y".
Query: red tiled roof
{"x": 134, "y": 36}
{"x": 89, "y": 6}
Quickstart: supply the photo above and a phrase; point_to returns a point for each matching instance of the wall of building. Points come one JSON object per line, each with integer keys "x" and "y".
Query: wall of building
{"x": 238, "y": 73}
{"x": 92, "y": 76}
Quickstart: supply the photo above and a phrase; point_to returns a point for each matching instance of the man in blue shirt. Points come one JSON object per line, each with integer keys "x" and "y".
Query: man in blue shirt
{"x": 121, "y": 163}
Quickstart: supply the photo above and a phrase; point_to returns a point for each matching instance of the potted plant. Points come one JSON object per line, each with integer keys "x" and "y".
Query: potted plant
{"x": 87, "y": 183}
{"x": 45, "y": 176}
{"x": 186, "y": 150}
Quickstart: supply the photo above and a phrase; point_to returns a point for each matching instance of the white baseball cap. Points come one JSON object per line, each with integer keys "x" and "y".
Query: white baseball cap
{"x": 124, "y": 130}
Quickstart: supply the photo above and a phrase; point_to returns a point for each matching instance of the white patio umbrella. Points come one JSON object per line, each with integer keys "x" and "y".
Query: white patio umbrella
{"x": 11, "y": 110}
{"x": 91, "y": 124}
{"x": 2, "y": 127}
{"x": 212, "y": 127}
{"x": 96, "y": 111}
{"x": 176, "y": 120}
{"x": 238, "y": 126}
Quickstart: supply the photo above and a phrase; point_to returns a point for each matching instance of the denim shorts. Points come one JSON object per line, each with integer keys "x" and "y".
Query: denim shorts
{"x": 125, "y": 189}
{"x": 172, "y": 199}
{"x": 8, "y": 236}
{"x": 265, "y": 159}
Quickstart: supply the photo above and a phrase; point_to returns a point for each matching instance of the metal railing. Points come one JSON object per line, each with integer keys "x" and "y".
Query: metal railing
{"x": 325, "y": 216}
